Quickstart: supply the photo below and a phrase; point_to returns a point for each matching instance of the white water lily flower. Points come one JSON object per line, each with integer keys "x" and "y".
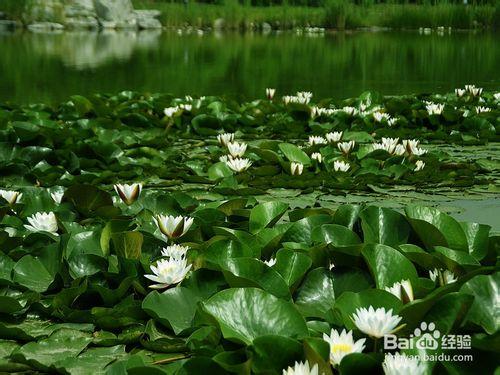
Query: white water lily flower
{"x": 168, "y": 272}
{"x": 419, "y": 151}
{"x": 186, "y": 107}
{"x": 497, "y": 96}
{"x": 460, "y": 92}
{"x": 173, "y": 226}
{"x": 401, "y": 364}
{"x": 379, "y": 116}
{"x": 351, "y": 111}
{"x": 390, "y": 144}
{"x": 391, "y": 121}
{"x": 341, "y": 166}
{"x": 482, "y": 109}
{"x": 239, "y": 164}
{"x": 237, "y": 149}
{"x": 11, "y": 196}
{"x": 188, "y": 98}
{"x": 57, "y": 196}
{"x": 317, "y": 156}
{"x": 346, "y": 147}
{"x": 296, "y": 168}
{"x": 434, "y": 109}
{"x": 174, "y": 251}
{"x": 400, "y": 150}
{"x": 43, "y": 222}
{"x": 473, "y": 90}
{"x": 225, "y": 138}
{"x": 398, "y": 288}
{"x": 271, "y": 262}
{"x": 305, "y": 94}
{"x": 171, "y": 111}
{"x": 411, "y": 145}
{"x": 302, "y": 368}
{"x": 128, "y": 193}
{"x": 342, "y": 344}
{"x": 443, "y": 276}
{"x": 317, "y": 111}
{"x": 225, "y": 158}
{"x": 333, "y": 137}
{"x": 375, "y": 323}
{"x": 270, "y": 93}
{"x": 316, "y": 140}
{"x": 419, "y": 165}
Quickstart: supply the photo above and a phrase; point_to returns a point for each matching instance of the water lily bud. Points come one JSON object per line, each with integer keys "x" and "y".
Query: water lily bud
{"x": 128, "y": 193}
{"x": 296, "y": 168}
{"x": 12, "y": 197}
{"x": 172, "y": 226}
{"x": 270, "y": 93}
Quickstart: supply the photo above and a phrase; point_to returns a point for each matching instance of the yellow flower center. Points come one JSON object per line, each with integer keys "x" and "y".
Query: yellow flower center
{"x": 341, "y": 348}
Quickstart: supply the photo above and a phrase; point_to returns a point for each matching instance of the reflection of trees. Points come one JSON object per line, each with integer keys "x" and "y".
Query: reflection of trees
{"x": 40, "y": 67}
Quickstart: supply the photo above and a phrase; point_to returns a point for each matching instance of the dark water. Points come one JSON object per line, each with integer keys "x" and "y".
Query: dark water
{"x": 36, "y": 68}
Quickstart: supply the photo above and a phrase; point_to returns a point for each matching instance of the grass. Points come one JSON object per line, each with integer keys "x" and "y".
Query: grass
{"x": 338, "y": 14}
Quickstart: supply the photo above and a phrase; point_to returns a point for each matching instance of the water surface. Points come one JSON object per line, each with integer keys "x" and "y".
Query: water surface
{"x": 51, "y": 67}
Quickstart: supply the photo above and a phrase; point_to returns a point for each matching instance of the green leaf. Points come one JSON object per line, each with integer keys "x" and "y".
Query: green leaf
{"x": 388, "y": 265}
{"x": 435, "y": 228}
{"x": 293, "y": 153}
{"x": 128, "y": 245}
{"x": 244, "y": 314}
{"x": 358, "y": 363}
{"x": 477, "y": 238}
{"x": 301, "y": 230}
{"x": 384, "y": 226}
{"x": 173, "y": 308}
{"x": 31, "y": 273}
{"x": 265, "y": 215}
{"x": 292, "y": 265}
{"x": 243, "y": 272}
{"x": 87, "y": 199}
{"x": 47, "y": 353}
{"x": 93, "y": 360}
{"x": 336, "y": 235}
{"x": 274, "y": 353}
{"x": 316, "y": 296}
{"x": 484, "y": 310}
{"x": 219, "y": 170}
{"x": 449, "y": 311}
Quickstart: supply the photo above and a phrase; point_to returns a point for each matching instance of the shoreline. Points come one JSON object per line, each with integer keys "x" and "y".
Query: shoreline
{"x": 329, "y": 18}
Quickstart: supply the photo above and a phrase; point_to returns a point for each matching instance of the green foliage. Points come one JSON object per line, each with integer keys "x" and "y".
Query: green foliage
{"x": 75, "y": 297}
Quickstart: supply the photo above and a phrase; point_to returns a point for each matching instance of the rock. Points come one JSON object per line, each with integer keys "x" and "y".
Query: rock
{"x": 82, "y": 23}
{"x": 149, "y": 23}
{"x": 120, "y": 12}
{"x": 147, "y": 19}
{"x": 9, "y": 25}
{"x": 44, "y": 27}
{"x": 219, "y": 24}
{"x": 147, "y": 13}
{"x": 266, "y": 28}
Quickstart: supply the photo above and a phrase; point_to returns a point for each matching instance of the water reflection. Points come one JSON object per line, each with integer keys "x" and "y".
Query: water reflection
{"x": 50, "y": 67}
{"x": 90, "y": 50}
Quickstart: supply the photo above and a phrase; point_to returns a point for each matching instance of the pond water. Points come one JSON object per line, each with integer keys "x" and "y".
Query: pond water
{"x": 51, "y": 67}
